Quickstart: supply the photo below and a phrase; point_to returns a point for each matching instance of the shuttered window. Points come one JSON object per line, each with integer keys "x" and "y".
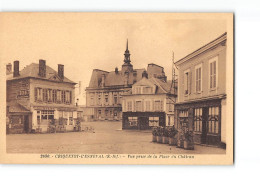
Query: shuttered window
{"x": 213, "y": 73}
{"x": 198, "y": 71}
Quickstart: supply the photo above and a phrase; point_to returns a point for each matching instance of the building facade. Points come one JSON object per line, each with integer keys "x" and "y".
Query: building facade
{"x": 39, "y": 99}
{"x": 201, "y": 105}
{"x": 149, "y": 103}
{"x": 104, "y": 94}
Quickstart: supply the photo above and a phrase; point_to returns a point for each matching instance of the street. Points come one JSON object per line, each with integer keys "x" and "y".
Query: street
{"x": 107, "y": 137}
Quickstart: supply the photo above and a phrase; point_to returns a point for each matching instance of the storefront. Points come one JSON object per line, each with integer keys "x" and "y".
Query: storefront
{"x": 143, "y": 120}
{"x": 49, "y": 119}
{"x": 203, "y": 118}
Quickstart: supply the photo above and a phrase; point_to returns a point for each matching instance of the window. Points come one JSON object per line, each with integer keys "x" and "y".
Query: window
{"x": 153, "y": 121}
{"x": 213, "y": 73}
{"x": 138, "y": 90}
{"x": 106, "y": 112}
{"x": 47, "y": 117}
{"x": 38, "y": 94}
{"x": 198, "y": 120}
{"x": 92, "y": 99}
{"x": 49, "y": 95}
{"x": 99, "y": 99}
{"x": 183, "y": 113}
{"x": 147, "y": 106}
{"x": 187, "y": 82}
{"x": 115, "y": 99}
{"x": 68, "y": 97}
{"x": 63, "y": 96}
{"x": 45, "y": 96}
{"x": 58, "y": 96}
{"x": 213, "y": 120}
{"x": 106, "y": 98}
{"x": 129, "y": 106}
{"x": 138, "y": 106}
{"x": 158, "y": 105}
{"x": 132, "y": 121}
{"x": 198, "y": 83}
{"x": 147, "y": 90}
{"x": 54, "y": 96}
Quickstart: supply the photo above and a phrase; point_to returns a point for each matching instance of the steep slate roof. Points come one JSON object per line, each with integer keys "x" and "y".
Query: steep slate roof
{"x": 162, "y": 87}
{"x": 112, "y": 78}
{"x": 32, "y": 71}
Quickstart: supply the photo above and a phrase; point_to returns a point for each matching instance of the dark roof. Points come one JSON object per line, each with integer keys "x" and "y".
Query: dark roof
{"x": 162, "y": 86}
{"x": 32, "y": 71}
{"x": 114, "y": 79}
{"x": 16, "y": 107}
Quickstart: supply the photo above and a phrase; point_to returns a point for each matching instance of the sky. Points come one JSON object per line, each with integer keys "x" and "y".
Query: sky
{"x": 87, "y": 41}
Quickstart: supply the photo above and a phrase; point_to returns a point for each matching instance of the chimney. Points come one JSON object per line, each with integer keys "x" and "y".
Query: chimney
{"x": 61, "y": 71}
{"x": 116, "y": 70}
{"x": 144, "y": 75}
{"x": 16, "y": 69}
{"x": 103, "y": 80}
{"x": 8, "y": 68}
{"x": 42, "y": 68}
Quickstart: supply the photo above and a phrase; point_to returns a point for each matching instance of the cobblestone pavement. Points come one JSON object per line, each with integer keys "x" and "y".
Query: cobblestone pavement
{"x": 107, "y": 137}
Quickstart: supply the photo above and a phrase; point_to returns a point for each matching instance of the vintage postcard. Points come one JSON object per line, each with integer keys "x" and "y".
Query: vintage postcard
{"x": 116, "y": 88}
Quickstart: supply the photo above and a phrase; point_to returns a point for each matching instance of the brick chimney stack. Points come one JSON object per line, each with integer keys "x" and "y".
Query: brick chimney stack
{"x": 16, "y": 68}
{"x": 42, "y": 68}
{"x": 8, "y": 68}
{"x": 61, "y": 71}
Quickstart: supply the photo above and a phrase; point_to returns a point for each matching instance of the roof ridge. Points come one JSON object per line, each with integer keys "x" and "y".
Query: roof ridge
{"x": 159, "y": 85}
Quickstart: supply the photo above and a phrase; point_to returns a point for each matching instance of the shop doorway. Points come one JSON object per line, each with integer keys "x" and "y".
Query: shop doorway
{"x": 26, "y": 124}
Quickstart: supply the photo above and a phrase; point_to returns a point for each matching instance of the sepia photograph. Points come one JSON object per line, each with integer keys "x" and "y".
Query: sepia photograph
{"x": 110, "y": 88}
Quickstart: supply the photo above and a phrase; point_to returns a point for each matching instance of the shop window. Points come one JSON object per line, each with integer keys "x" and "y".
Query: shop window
{"x": 70, "y": 120}
{"x": 47, "y": 117}
{"x": 38, "y": 117}
{"x": 213, "y": 120}
{"x": 132, "y": 121}
{"x": 198, "y": 120}
{"x": 60, "y": 118}
{"x": 153, "y": 121}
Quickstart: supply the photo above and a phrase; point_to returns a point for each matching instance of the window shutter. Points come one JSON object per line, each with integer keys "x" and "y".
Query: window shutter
{"x": 35, "y": 93}
{"x": 190, "y": 82}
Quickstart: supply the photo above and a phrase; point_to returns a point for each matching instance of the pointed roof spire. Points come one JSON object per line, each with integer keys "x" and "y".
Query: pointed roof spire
{"x": 127, "y": 54}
